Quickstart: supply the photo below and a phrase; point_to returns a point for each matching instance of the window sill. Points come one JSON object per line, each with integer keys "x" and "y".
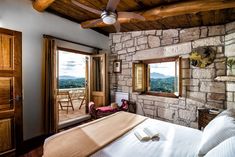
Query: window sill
{"x": 170, "y": 95}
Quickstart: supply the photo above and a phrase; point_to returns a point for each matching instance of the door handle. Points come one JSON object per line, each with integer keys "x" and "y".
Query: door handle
{"x": 17, "y": 98}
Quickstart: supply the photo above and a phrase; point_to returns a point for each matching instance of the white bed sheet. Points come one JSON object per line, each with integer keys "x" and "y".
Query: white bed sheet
{"x": 175, "y": 141}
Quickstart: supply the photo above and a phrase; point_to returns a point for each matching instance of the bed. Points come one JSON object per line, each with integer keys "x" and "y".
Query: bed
{"x": 113, "y": 136}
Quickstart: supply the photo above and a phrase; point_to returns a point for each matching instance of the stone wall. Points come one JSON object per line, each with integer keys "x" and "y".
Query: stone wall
{"x": 230, "y": 52}
{"x": 199, "y": 87}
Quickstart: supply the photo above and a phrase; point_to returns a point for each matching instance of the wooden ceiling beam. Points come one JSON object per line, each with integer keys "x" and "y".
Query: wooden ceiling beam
{"x": 178, "y": 8}
{"x": 41, "y": 5}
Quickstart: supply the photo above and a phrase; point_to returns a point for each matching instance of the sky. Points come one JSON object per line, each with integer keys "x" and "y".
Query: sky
{"x": 167, "y": 68}
{"x": 71, "y": 64}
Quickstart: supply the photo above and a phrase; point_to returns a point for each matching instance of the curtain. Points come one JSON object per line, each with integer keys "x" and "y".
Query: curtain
{"x": 49, "y": 85}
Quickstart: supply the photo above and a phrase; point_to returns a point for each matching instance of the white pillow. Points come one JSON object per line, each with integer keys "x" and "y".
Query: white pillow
{"x": 218, "y": 130}
{"x": 224, "y": 149}
{"x": 228, "y": 112}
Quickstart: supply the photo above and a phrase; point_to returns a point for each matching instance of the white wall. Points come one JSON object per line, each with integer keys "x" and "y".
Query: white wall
{"x": 19, "y": 15}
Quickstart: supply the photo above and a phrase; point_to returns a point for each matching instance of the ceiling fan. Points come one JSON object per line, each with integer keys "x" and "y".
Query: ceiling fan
{"x": 109, "y": 15}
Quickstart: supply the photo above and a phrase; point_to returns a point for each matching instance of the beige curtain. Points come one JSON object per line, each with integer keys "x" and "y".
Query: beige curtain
{"x": 49, "y": 85}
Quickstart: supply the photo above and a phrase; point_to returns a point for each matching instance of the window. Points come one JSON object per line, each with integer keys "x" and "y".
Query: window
{"x": 158, "y": 77}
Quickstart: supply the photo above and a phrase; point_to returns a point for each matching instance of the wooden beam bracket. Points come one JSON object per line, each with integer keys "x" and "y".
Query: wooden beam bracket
{"x": 41, "y": 5}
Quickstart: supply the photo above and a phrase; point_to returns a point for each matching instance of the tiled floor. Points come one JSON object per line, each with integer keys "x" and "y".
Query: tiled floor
{"x": 64, "y": 116}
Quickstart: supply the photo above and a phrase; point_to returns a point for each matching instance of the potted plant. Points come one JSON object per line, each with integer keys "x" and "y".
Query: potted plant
{"x": 230, "y": 63}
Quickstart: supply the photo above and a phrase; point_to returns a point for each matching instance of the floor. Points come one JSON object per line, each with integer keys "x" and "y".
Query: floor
{"x": 34, "y": 153}
{"x": 38, "y": 152}
{"x": 64, "y": 116}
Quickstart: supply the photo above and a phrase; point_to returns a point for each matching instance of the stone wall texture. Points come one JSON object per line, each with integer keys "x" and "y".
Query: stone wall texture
{"x": 199, "y": 87}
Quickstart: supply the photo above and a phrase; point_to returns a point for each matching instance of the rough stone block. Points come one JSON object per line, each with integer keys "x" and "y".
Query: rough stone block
{"x": 125, "y": 89}
{"x": 215, "y": 96}
{"x": 129, "y": 82}
{"x": 131, "y": 49}
{"x": 216, "y": 30}
{"x": 122, "y": 57}
{"x": 159, "y": 32}
{"x": 220, "y": 72}
{"x": 153, "y": 41}
{"x": 149, "y": 112}
{"x": 194, "y": 103}
{"x": 189, "y": 34}
{"x": 142, "y": 40}
{"x": 193, "y": 88}
{"x": 161, "y": 104}
{"x": 128, "y": 43}
{"x": 198, "y": 96}
{"x": 122, "y": 83}
{"x": 231, "y": 87}
{"x": 213, "y": 87}
{"x": 220, "y": 65}
{"x": 190, "y": 82}
{"x": 141, "y": 47}
{"x": 161, "y": 52}
{"x": 230, "y": 105}
{"x": 167, "y": 41}
{"x": 126, "y": 36}
{"x": 148, "y": 102}
{"x": 203, "y": 73}
{"x": 126, "y": 72}
{"x": 215, "y": 105}
{"x": 122, "y": 51}
{"x": 187, "y": 115}
{"x": 118, "y": 46}
{"x": 230, "y": 96}
{"x": 204, "y": 31}
{"x": 230, "y": 27}
{"x": 230, "y": 50}
{"x": 150, "y": 32}
{"x": 136, "y": 33}
{"x": 212, "y": 41}
{"x": 117, "y": 38}
{"x": 220, "y": 55}
{"x": 166, "y": 113}
{"x": 170, "y": 33}
{"x": 229, "y": 37}
{"x": 125, "y": 66}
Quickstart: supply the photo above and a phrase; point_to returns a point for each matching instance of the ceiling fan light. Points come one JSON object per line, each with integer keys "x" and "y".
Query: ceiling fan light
{"x": 109, "y": 18}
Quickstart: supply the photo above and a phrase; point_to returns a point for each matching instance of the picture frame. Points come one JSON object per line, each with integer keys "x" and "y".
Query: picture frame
{"x": 117, "y": 66}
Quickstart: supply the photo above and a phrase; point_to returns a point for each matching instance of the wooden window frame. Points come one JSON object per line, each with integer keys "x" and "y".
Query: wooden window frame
{"x": 147, "y": 78}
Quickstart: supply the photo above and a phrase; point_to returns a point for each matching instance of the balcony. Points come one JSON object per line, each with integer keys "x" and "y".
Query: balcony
{"x": 71, "y": 104}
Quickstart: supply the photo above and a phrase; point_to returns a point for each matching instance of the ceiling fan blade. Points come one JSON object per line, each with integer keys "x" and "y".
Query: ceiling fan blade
{"x": 87, "y": 25}
{"x": 112, "y": 5}
{"x": 87, "y": 8}
{"x": 117, "y": 26}
{"x": 130, "y": 15}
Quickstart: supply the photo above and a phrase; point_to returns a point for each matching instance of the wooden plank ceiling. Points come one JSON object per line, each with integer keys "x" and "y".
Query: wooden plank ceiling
{"x": 66, "y": 9}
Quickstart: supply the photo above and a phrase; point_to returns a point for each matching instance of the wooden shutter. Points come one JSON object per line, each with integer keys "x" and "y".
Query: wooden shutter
{"x": 178, "y": 77}
{"x": 139, "y": 77}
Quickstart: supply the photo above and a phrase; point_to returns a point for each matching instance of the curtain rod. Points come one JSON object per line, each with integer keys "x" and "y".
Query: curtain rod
{"x": 49, "y": 36}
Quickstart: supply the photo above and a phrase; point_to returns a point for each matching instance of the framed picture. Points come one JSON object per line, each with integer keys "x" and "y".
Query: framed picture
{"x": 117, "y": 66}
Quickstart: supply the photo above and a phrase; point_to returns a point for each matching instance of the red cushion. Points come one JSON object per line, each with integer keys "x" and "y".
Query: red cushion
{"x": 105, "y": 109}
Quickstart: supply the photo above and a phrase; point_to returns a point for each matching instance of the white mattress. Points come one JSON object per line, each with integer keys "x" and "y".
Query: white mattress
{"x": 175, "y": 141}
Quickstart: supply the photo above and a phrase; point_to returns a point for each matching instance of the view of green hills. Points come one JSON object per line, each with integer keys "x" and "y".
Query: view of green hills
{"x": 161, "y": 83}
{"x": 158, "y": 82}
{"x": 71, "y": 82}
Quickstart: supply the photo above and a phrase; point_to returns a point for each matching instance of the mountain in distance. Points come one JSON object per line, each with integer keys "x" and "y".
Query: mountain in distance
{"x": 67, "y": 77}
{"x": 158, "y": 75}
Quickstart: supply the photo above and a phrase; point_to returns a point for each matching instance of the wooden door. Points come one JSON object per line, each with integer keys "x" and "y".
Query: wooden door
{"x": 98, "y": 79}
{"x": 10, "y": 91}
